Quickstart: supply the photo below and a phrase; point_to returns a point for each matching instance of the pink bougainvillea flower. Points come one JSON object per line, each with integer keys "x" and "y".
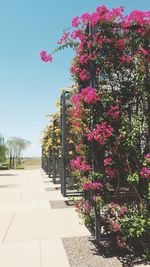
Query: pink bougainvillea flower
{"x": 147, "y": 156}
{"x": 115, "y": 226}
{"x": 121, "y": 242}
{"x": 107, "y": 161}
{"x": 145, "y": 52}
{"x": 86, "y": 205}
{"x": 123, "y": 210}
{"x": 111, "y": 173}
{"x": 126, "y": 59}
{"x": 120, "y": 44}
{"x": 85, "y": 17}
{"x": 101, "y": 133}
{"x": 101, "y": 40}
{"x": 84, "y": 75}
{"x": 77, "y": 111}
{"x": 114, "y": 205}
{"x": 84, "y": 59}
{"x": 145, "y": 172}
{"x": 140, "y": 17}
{"x": 76, "y": 98}
{"x": 113, "y": 112}
{"x": 76, "y": 21}
{"x": 80, "y": 164}
{"x": 78, "y": 34}
{"x": 92, "y": 185}
{"x": 89, "y": 95}
{"x": 45, "y": 57}
{"x": 75, "y": 69}
{"x": 89, "y": 44}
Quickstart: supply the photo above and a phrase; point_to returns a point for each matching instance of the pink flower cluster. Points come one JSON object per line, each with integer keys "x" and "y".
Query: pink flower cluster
{"x": 88, "y": 95}
{"x": 139, "y": 17}
{"x": 145, "y": 172}
{"x": 120, "y": 44}
{"x": 142, "y": 52}
{"x": 101, "y": 14}
{"x": 101, "y": 133}
{"x": 92, "y": 185}
{"x": 80, "y": 20}
{"x": 107, "y": 161}
{"x": 121, "y": 242}
{"x": 113, "y": 112}
{"x": 87, "y": 206}
{"x": 84, "y": 59}
{"x": 80, "y": 164}
{"x": 120, "y": 210}
{"x": 84, "y": 75}
{"x": 111, "y": 172}
{"x": 75, "y": 69}
{"x": 76, "y": 98}
{"x": 147, "y": 158}
{"x": 115, "y": 227}
{"x": 78, "y": 34}
{"x": 77, "y": 111}
{"x": 126, "y": 59}
{"x": 75, "y": 22}
{"x": 83, "y": 207}
{"x": 45, "y": 57}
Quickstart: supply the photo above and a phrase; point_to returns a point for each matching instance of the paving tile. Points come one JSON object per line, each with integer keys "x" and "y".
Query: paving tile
{"x": 33, "y": 230}
{"x": 20, "y": 254}
{"x": 44, "y": 224}
{"x": 19, "y": 206}
{"x": 53, "y": 253}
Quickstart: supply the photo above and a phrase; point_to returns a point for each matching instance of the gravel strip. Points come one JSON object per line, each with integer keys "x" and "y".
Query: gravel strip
{"x": 47, "y": 189}
{"x": 81, "y": 252}
{"x": 60, "y": 204}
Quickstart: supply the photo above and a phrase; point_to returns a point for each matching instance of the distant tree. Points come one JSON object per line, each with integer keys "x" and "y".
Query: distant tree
{"x": 2, "y": 150}
{"x": 21, "y": 145}
{"x": 16, "y": 145}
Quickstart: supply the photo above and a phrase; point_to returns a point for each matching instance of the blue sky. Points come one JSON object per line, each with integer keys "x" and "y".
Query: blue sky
{"x": 28, "y": 87}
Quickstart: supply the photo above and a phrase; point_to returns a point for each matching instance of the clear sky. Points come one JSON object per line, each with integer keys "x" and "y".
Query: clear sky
{"x": 28, "y": 87}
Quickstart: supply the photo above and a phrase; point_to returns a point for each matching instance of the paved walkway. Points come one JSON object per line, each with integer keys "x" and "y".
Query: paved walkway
{"x": 30, "y": 230}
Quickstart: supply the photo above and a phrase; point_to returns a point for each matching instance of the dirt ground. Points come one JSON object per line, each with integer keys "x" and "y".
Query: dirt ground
{"x": 31, "y": 164}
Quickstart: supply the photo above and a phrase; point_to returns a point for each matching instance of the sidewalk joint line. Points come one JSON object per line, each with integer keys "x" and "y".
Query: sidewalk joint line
{"x": 20, "y": 198}
{"x": 40, "y": 253}
{"x": 9, "y": 227}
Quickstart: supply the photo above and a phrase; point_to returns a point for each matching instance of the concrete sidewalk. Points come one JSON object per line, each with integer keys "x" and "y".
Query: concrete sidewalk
{"x": 30, "y": 230}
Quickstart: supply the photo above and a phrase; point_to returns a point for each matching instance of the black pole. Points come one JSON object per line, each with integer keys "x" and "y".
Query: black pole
{"x": 63, "y": 143}
{"x": 63, "y": 158}
{"x": 49, "y": 163}
{"x": 94, "y": 154}
{"x": 54, "y": 156}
